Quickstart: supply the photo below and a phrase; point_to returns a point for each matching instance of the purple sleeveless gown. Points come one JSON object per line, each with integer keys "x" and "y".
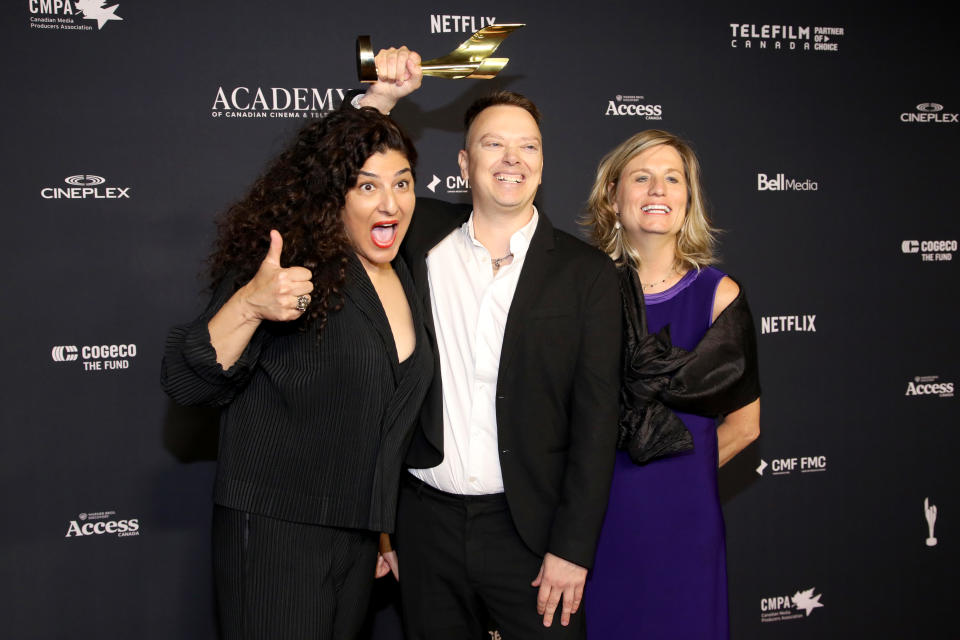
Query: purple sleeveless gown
{"x": 660, "y": 569}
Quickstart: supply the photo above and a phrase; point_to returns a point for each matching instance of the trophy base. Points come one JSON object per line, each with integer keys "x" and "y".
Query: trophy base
{"x": 931, "y": 542}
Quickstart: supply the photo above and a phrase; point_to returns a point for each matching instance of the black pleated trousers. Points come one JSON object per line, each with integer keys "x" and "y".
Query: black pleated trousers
{"x": 278, "y": 579}
{"x": 464, "y": 570}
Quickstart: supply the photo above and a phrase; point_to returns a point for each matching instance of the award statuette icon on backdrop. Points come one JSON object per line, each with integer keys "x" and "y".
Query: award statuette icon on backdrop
{"x": 930, "y": 512}
{"x": 470, "y": 60}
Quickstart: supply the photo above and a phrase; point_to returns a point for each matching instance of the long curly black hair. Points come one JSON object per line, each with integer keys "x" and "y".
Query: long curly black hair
{"x": 302, "y": 195}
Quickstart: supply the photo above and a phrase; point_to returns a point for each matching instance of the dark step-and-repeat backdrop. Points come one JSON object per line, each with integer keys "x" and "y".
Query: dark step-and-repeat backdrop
{"x": 828, "y": 136}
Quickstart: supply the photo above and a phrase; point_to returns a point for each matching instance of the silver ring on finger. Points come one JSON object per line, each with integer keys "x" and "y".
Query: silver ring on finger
{"x": 302, "y": 302}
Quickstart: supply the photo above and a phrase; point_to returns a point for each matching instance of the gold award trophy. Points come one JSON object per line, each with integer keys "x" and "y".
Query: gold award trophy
{"x": 469, "y": 60}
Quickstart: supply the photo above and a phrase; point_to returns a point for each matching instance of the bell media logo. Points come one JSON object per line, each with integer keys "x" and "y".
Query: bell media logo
{"x": 785, "y": 37}
{"x": 780, "y": 608}
{"x": 930, "y": 250}
{"x": 83, "y": 186}
{"x": 63, "y": 15}
{"x": 99, "y": 357}
{"x": 779, "y": 182}
{"x": 444, "y": 23}
{"x": 274, "y": 102}
{"x": 932, "y": 112}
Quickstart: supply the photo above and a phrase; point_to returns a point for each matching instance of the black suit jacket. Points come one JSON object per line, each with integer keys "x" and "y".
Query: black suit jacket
{"x": 557, "y": 386}
{"x": 311, "y": 431}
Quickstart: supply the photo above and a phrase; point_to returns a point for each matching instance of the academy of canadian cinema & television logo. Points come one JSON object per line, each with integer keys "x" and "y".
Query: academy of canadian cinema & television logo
{"x": 784, "y": 37}
{"x": 929, "y": 112}
{"x": 64, "y": 15}
{"x": 100, "y": 523}
{"x": 800, "y": 605}
{"x": 83, "y": 186}
{"x": 274, "y": 102}
{"x": 97, "y": 357}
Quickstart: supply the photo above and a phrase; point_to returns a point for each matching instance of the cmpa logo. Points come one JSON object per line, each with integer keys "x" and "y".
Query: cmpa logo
{"x": 788, "y": 466}
{"x": 782, "y": 324}
{"x": 930, "y": 250}
{"x": 85, "y": 186}
{"x": 275, "y": 102}
{"x": 784, "y": 37}
{"x": 929, "y": 386}
{"x": 63, "y": 15}
{"x": 930, "y": 112}
{"x": 442, "y": 23}
{"x": 97, "y": 357}
{"x": 624, "y": 105}
{"x": 779, "y": 182}
{"x": 451, "y": 184}
{"x": 780, "y": 608}
{"x": 100, "y": 523}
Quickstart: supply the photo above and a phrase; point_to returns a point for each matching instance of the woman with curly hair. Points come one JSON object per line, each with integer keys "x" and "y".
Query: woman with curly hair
{"x": 689, "y": 399}
{"x": 313, "y": 345}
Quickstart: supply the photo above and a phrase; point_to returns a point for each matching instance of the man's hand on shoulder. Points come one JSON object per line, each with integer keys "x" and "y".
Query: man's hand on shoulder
{"x": 399, "y": 75}
{"x": 559, "y": 577}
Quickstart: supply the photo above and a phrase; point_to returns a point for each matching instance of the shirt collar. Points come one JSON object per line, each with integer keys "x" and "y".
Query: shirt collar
{"x": 519, "y": 241}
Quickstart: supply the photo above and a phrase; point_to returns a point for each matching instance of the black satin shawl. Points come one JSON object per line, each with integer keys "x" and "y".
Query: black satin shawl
{"x": 719, "y": 376}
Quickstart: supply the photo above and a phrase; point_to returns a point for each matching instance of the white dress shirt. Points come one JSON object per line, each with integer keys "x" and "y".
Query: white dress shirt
{"x": 470, "y": 305}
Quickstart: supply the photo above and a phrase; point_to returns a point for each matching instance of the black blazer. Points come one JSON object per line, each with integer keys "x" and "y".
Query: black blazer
{"x": 557, "y": 386}
{"x": 310, "y": 431}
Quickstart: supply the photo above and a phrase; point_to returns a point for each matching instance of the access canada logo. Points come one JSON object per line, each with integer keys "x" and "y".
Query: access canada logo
{"x": 930, "y": 250}
{"x": 101, "y": 523}
{"x": 64, "y": 15}
{"x": 931, "y": 113}
{"x": 794, "y": 465}
{"x": 781, "y": 608}
{"x": 788, "y": 324}
{"x": 929, "y": 386}
{"x": 98, "y": 357}
{"x": 635, "y": 106}
{"x": 445, "y": 23}
{"x": 84, "y": 186}
{"x": 449, "y": 184}
{"x": 274, "y": 102}
{"x": 784, "y": 37}
{"x": 779, "y": 182}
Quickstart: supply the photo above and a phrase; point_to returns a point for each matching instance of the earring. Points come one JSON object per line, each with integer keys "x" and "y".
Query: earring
{"x": 616, "y": 226}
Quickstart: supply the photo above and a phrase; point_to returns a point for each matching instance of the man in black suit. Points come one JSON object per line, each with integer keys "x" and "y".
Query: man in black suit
{"x": 499, "y": 517}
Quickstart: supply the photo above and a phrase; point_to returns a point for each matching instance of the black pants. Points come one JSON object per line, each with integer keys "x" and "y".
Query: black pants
{"x": 278, "y": 579}
{"x": 464, "y": 570}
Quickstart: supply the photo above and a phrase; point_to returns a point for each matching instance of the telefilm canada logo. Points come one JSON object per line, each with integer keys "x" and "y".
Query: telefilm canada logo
{"x": 781, "y": 608}
{"x": 274, "y": 102}
{"x": 449, "y": 184}
{"x": 779, "y": 182}
{"x": 445, "y": 23}
{"x": 635, "y": 106}
{"x": 929, "y": 386}
{"x": 101, "y": 523}
{"x": 98, "y": 357}
{"x": 929, "y": 112}
{"x": 64, "y": 15}
{"x": 790, "y": 466}
{"x": 784, "y": 37}
{"x": 84, "y": 186}
{"x": 789, "y": 324}
{"x": 930, "y": 250}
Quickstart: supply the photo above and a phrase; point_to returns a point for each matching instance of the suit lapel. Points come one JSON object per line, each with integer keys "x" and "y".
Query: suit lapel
{"x": 536, "y": 270}
{"x": 361, "y": 292}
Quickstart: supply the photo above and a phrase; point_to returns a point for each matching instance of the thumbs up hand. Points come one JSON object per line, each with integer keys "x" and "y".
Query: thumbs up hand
{"x": 276, "y": 293}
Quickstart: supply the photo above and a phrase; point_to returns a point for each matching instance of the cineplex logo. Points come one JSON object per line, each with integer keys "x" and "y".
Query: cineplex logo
{"x": 442, "y": 23}
{"x": 102, "y": 523}
{"x": 782, "y": 324}
{"x": 85, "y": 186}
{"x": 784, "y": 37}
{"x": 275, "y": 102}
{"x": 96, "y": 357}
{"x": 779, "y": 182}
{"x": 799, "y": 605}
{"x": 929, "y": 112}
{"x": 63, "y": 15}
{"x": 930, "y": 250}
{"x": 633, "y": 106}
{"x": 450, "y": 184}
{"x": 788, "y": 466}
{"x": 929, "y": 386}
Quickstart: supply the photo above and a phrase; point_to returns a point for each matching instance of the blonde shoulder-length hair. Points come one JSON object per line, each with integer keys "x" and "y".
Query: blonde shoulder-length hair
{"x": 696, "y": 239}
